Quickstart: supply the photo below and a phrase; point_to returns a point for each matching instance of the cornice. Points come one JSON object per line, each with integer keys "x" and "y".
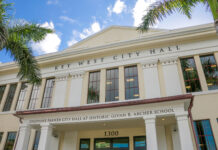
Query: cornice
{"x": 168, "y": 60}
{"x": 178, "y": 34}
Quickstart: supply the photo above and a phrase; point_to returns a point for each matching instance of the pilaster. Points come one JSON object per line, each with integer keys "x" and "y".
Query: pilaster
{"x": 102, "y": 85}
{"x": 4, "y": 138}
{"x": 121, "y": 83}
{"x": 16, "y": 95}
{"x": 85, "y": 88}
{"x": 151, "y": 80}
{"x": 201, "y": 75}
{"x": 182, "y": 81}
{"x": 141, "y": 83}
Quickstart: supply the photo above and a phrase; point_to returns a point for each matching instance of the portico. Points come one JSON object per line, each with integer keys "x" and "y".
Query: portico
{"x": 164, "y": 124}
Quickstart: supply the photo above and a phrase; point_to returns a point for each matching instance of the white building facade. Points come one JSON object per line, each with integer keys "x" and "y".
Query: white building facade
{"x": 117, "y": 89}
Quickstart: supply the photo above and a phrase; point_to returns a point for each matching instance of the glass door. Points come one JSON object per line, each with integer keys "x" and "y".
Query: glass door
{"x": 112, "y": 144}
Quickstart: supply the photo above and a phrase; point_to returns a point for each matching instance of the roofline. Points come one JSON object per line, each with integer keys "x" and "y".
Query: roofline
{"x": 108, "y": 105}
{"x": 177, "y": 34}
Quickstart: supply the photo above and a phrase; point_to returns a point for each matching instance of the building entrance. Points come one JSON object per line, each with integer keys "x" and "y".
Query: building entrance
{"x": 112, "y": 143}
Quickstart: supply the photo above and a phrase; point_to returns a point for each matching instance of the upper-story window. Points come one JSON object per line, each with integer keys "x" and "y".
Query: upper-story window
{"x": 112, "y": 85}
{"x": 46, "y": 102}
{"x": 210, "y": 71}
{"x": 94, "y": 87}
{"x": 190, "y": 74}
{"x": 10, "y": 97}
{"x": 131, "y": 82}
{"x": 2, "y": 90}
{"x": 22, "y": 95}
{"x": 34, "y": 97}
{"x": 204, "y": 135}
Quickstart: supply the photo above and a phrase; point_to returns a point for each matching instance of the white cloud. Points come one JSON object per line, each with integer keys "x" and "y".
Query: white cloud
{"x": 95, "y": 27}
{"x": 140, "y": 9}
{"x": 51, "y": 42}
{"x": 68, "y": 19}
{"x": 71, "y": 42}
{"x": 119, "y": 7}
{"x": 50, "y": 2}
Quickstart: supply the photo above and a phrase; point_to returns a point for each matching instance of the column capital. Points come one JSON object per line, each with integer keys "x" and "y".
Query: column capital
{"x": 169, "y": 60}
{"x": 149, "y": 119}
{"x": 181, "y": 116}
{"x": 77, "y": 74}
{"x": 46, "y": 125}
{"x": 149, "y": 63}
{"x": 61, "y": 77}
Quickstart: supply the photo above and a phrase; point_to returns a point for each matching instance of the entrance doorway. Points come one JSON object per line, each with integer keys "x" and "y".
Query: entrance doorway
{"x": 112, "y": 143}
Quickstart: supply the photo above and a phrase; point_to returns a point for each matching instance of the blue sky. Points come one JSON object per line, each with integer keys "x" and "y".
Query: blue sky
{"x": 74, "y": 20}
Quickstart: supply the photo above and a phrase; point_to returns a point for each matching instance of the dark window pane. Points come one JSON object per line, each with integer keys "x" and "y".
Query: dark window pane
{"x": 34, "y": 97}
{"x": 112, "y": 144}
{"x": 84, "y": 144}
{"x": 210, "y": 71}
{"x": 190, "y": 74}
{"x": 131, "y": 82}
{"x": 204, "y": 135}
{"x": 94, "y": 86}
{"x": 120, "y": 143}
{"x": 1, "y": 134}
{"x": 139, "y": 143}
{"x": 112, "y": 85}
{"x": 36, "y": 141}
{"x": 22, "y": 95}
{"x": 10, "y": 141}
{"x": 48, "y": 93}
{"x": 10, "y": 97}
{"x": 102, "y": 143}
{"x": 2, "y": 90}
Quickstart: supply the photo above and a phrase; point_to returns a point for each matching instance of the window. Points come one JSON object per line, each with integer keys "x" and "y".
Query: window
{"x": 48, "y": 93}
{"x": 210, "y": 71}
{"x": 1, "y": 134}
{"x": 2, "y": 90}
{"x": 10, "y": 141}
{"x": 139, "y": 143}
{"x": 36, "y": 141}
{"x": 22, "y": 95}
{"x": 112, "y": 85}
{"x": 204, "y": 135}
{"x": 34, "y": 97}
{"x": 190, "y": 74}
{"x": 131, "y": 82}
{"x": 94, "y": 87}
{"x": 84, "y": 144}
{"x": 10, "y": 97}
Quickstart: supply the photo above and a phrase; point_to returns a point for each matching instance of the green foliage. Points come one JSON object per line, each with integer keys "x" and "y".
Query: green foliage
{"x": 15, "y": 38}
{"x": 159, "y": 10}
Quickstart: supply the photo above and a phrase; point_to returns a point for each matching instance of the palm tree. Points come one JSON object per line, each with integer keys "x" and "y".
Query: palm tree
{"x": 160, "y": 9}
{"x": 16, "y": 38}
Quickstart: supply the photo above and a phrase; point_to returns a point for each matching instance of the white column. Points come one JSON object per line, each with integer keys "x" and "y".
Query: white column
{"x": 45, "y": 137}
{"x": 184, "y": 132}
{"x": 23, "y": 138}
{"x": 171, "y": 76}
{"x": 60, "y": 90}
{"x": 75, "y": 94}
{"x": 151, "y": 133}
{"x": 151, "y": 80}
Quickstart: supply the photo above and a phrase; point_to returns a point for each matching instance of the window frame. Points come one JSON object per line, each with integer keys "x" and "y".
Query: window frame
{"x": 34, "y": 142}
{"x": 200, "y": 56}
{"x": 10, "y": 101}
{"x": 184, "y": 81}
{"x": 88, "y": 139}
{"x": 1, "y": 136}
{"x": 1, "y": 97}
{"x": 21, "y": 100}
{"x": 125, "y": 88}
{"x": 44, "y": 99}
{"x": 114, "y": 89}
{"x": 142, "y": 136}
{"x": 7, "y": 138}
{"x": 98, "y": 82}
{"x": 204, "y": 135}
{"x": 33, "y": 100}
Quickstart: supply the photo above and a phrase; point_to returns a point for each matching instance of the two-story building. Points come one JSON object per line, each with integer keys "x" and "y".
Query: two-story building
{"x": 117, "y": 89}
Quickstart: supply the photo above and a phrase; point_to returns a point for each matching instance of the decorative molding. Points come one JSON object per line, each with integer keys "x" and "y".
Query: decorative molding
{"x": 76, "y": 75}
{"x": 149, "y": 64}
{"x": 61, "y": 77}
{"x": 168, "y": 60}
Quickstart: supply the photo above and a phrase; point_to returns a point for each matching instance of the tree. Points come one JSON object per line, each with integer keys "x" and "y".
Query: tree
{"x": 160, "y": 9}
{"x": 16, "y": 38}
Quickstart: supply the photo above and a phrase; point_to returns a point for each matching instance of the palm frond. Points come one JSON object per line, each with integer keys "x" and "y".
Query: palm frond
{"x": 23, "y": 55}
{"x": 158, "y": 10}
{"x": 30, "y": 32}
